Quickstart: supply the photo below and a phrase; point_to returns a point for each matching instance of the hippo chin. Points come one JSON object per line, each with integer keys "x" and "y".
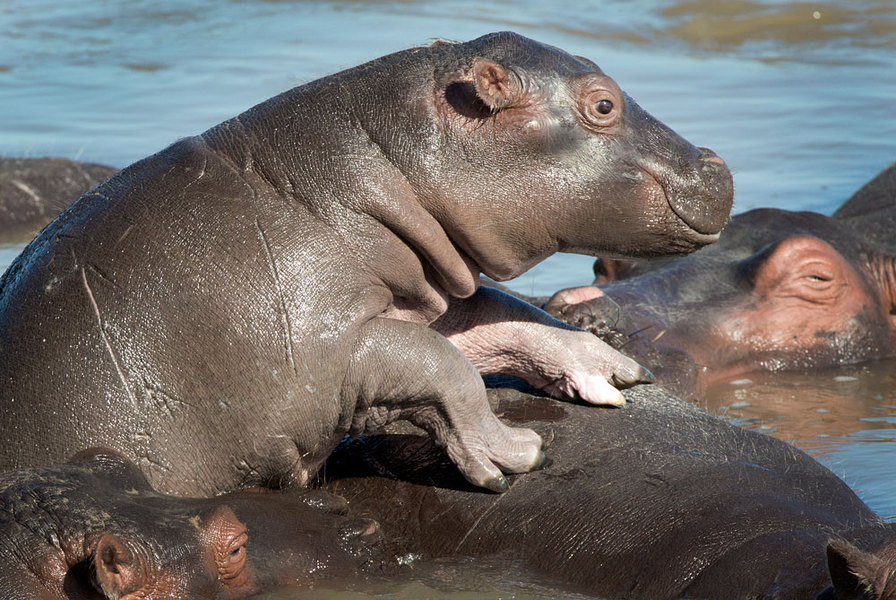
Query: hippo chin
{"x": 781, "y": 290}
{"x": 224, "y": 312}
{"x": 656, "y": 501}
{"x": 94, "y": 528}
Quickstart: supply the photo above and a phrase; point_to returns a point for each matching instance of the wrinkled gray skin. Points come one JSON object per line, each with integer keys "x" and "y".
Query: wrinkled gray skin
{"x": 656, "y": 500}
{"x": 93, "y": 528}
{"x": 33, "y": 191}
{"x": 781, "y": 290}
{"x": 227, "y": 310}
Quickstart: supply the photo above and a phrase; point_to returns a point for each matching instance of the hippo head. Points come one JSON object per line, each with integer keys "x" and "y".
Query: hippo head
{"x": 126, "y": 541}
{"x": 781, "y": 290}
{"x": 207, "y": 551}
{"x": 539, "y": 151}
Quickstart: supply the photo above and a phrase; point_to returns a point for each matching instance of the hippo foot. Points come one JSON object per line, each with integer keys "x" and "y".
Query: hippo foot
{"x": 484, "y": 454}
{"x": 402, "y": 370}
{"x": 574, "y": 364}
{"x": 504, "y": 335}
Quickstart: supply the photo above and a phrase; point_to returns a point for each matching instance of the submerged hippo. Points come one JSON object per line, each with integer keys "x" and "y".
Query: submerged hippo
{"x": 657, "y": 500}
{"x": 94, "y": 528}
{"x": 227, "y": 310}
{"x": 33, "y": 191}
{"x": 780, "y": 290}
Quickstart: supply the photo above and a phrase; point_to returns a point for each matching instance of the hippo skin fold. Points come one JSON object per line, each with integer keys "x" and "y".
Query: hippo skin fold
{"x": 224, "y": 312}
{"x": 93, "y": 528}
{"x": 656, "y": 500}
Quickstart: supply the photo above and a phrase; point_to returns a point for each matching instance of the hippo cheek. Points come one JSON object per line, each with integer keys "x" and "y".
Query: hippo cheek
{"x": 300, "y": 537}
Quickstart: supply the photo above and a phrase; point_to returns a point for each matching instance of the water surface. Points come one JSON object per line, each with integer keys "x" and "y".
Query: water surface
{"x": 796, "y": 96}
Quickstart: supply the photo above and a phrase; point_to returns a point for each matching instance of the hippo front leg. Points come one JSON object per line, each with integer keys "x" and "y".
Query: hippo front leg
{"x": 402, "y": 370}
{"x": 501, "y": 334}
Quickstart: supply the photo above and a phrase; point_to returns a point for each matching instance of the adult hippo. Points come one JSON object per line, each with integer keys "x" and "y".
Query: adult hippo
{"x": 780, "y": 290}
{"x": 656, "y": 500}
{"x": 93, "y": 528}
{"x": 227, "y": 310}
{"x": 33, "y": 191}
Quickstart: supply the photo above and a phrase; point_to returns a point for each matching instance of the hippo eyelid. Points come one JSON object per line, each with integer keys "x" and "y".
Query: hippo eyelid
{"x": 818, "y": 271}
{"x": 599, "y": 102}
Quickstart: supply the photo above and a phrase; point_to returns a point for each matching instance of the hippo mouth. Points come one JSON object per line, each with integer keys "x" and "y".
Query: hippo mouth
{"x": 703, "y": 205}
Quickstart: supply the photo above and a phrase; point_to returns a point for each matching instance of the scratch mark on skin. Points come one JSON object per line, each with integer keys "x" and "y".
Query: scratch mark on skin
{"x": 284, "y": 315}
{"x": 126, "y": 232}
{"x": 99, "y": 320}
{"x": 96, "y": 270}
{"x": 478, "y": 520}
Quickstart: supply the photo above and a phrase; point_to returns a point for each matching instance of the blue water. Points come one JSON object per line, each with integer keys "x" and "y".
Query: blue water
{"x": 796, "y": 96}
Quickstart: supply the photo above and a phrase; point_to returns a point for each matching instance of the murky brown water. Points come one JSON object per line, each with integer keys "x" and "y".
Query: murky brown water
{"x": 796, "y": 96}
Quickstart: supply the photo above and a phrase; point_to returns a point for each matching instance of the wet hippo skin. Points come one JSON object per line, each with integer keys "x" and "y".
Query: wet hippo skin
{"x": 93, "y": 528}
{"x": 655, "y": 500}
{"x": 781, "y": 290}
{"x": 224, "y": 312}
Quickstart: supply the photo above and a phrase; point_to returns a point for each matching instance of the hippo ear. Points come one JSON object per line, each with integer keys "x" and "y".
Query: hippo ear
{"x": 118, "y": 570}
{"x": 854, "y": 573}
{"x": 883, "y": 270}
{"x": 497, "y": 87}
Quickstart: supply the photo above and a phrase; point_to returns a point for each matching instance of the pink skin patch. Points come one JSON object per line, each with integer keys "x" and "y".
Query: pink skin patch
{"x": 577, "y": 295}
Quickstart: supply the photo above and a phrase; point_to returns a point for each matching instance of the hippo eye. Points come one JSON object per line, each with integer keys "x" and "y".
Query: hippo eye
{"x": 599, "y": 104}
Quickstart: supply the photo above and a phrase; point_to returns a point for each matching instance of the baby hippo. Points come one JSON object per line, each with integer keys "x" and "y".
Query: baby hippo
{"x": 94, "y": 528}
{"x": 226, "y": 311}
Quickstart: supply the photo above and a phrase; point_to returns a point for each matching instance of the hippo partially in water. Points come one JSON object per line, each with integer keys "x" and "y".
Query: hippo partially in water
{"x": 93, "y": 528}
{"x": 224, "y": 312}
{"x": 781, "y": 290}
{"x": 656, "y": 501}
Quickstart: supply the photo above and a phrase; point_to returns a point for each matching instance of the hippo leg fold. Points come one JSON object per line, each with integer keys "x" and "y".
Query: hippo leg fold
{"x": 502, "y": 334}
{"x": 402, "y": 370}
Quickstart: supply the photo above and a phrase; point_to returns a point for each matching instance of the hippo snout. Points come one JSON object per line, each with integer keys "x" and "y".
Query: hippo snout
{"x": 704, "y": 204}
